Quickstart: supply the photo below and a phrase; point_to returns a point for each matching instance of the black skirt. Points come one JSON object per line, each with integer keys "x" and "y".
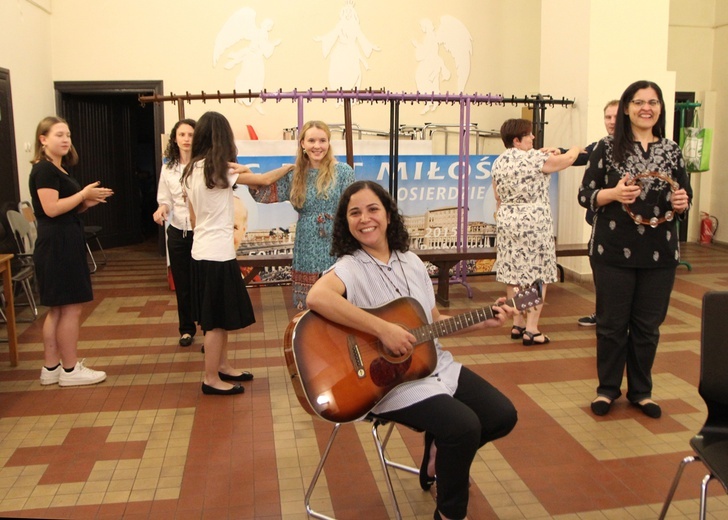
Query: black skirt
{"x": 60, "y": 262}
{"x": 219, "y": 297}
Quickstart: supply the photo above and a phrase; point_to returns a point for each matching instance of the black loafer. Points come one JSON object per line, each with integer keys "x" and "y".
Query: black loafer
{"x": 601, "y": 407}
{"x": 211, "y": 390}
{"x": 185, "y": 340}
{"x": 652, "y": 410}
{"x": 245, "y": 376}
{"x": 426, "y": 481}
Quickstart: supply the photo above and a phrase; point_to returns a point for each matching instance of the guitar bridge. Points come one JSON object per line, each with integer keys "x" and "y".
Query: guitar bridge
{"x": 355, "y": 356}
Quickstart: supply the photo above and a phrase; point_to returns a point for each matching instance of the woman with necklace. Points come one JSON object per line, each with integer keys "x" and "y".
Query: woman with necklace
{"x": 458, "y": 410}
{"x": 313, "y": 188}
{"x": 173, "y": 210}
{"x": 633, "y": 262}
{"x": 64, "y": 280}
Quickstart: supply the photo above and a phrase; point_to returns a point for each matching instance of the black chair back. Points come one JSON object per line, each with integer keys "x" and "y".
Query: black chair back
{"x": 713, "y": 387}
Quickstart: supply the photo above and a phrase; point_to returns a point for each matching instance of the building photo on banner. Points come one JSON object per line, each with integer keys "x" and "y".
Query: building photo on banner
{"x": 427, "y": 195}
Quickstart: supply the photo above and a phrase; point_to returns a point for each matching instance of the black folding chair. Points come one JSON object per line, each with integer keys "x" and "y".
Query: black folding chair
{"x": 711, "y": 443}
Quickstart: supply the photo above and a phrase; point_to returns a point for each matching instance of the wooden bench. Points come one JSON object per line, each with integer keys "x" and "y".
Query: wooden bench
{"x": 443, "y": 259}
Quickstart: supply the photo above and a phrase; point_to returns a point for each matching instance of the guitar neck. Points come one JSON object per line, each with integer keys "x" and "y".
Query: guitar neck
{"x": 455, "y": 324}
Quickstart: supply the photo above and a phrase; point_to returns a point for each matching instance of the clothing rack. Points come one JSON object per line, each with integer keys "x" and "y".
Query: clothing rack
{"x": 538, "y": 103}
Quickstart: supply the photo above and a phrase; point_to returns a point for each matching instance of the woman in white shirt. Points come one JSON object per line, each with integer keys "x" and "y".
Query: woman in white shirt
{"x": 173, "y": 210}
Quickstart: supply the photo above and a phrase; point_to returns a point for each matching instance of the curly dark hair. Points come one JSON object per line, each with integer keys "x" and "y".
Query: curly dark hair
{"x": 171, "y": 153}
{"x": 215, "y": 143}
{"x": 344, "y": 243}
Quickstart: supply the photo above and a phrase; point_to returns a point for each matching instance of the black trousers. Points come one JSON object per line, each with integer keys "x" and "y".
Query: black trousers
{"x": 476, "y": 414}
{"x": 631, "y": 306}
{"x": 179, "y": 247}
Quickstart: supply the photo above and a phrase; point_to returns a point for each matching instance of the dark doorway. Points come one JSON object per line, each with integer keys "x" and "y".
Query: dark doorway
{"x": 683, "y": 118}
{"x": 9, "y": 189}
{"x": 118, "y": 144}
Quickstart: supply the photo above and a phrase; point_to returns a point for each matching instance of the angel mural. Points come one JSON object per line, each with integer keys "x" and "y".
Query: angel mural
{"x": 431, "y": 68}
{"x": 348, "y": 48}
{"x": 242, "y": 27}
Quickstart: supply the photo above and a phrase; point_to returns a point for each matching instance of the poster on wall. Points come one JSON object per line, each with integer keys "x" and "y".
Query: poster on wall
{"x": 427, "y": 196}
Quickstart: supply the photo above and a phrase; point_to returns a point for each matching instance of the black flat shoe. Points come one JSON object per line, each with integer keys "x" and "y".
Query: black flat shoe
{"x": 529, "y": 339}
{"x": 211, "y": 390}
{"x": 601, "y": 407}
{"x": 245, "y": 376}
{"x": 519, "y": 332}
{"x": 185, "y": 340}
{"x": 652, "y": 410}
{"x": 426, "y": 481}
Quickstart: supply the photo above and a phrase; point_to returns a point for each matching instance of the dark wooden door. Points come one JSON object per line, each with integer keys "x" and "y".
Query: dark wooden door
{"x": 9, "y": 188}
{"x": 117, "y": 143}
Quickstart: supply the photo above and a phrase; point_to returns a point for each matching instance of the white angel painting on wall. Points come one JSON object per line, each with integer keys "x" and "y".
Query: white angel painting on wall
{"x": 242, "y": 27}
{"x": 348, "y": 49}
{"x": 431, "y": 68}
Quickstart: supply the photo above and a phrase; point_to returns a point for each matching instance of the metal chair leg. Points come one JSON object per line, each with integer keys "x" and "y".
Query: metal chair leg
{"x": 687, "y": 460}
{"x": 704, "y": 495}
{"x": 93, "y": 260}
{"x": 317, "y": 473}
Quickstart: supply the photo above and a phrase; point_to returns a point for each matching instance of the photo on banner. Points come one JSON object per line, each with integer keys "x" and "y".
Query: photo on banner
{"x": 427, "y": 196}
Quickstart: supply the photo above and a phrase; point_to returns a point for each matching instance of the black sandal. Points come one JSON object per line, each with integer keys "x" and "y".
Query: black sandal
{"x": 519, "y": 332}
{"x": 528, "y": 339}
{"x": 426, "y": 481}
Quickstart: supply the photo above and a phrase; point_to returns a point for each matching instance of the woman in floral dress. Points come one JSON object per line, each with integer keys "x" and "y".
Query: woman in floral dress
{"x": 525, "y": 235}
{"x": 313, "y": 188}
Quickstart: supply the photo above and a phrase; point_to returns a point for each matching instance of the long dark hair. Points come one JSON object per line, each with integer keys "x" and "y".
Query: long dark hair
{"x": 214, "y": 142}
{"x": 171, "y": 153}
{"x": 623, "y": 136}
{"x": 344, "y": 243}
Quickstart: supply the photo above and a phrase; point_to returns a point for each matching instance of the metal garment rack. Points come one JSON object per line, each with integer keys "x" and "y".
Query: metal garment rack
{"x": 538, "y": 103}
{"x": 682, "y": 107}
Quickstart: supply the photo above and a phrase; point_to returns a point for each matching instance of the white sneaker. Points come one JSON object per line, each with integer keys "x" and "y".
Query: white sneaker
{"x": 50, "y": 377}
{"x": 81, "y": 375}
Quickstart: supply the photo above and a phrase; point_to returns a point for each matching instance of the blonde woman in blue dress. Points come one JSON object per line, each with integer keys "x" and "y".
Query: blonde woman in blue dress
{"x": 313, "y": 188}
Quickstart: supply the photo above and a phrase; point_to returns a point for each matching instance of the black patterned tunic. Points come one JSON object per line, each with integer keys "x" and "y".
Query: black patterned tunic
{"x": 616, "y": 239}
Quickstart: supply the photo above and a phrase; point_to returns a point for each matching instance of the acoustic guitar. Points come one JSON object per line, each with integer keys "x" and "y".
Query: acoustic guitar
{"x": 340, "y": 373}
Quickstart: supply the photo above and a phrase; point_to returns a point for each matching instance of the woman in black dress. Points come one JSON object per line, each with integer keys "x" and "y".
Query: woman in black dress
{"x": 63, "y": 276}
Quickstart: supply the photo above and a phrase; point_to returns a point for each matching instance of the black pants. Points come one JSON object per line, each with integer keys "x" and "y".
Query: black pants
{"x": 631, "y": 306}
{"x": 179, "y": 247}
{"x": 476, "y": 414}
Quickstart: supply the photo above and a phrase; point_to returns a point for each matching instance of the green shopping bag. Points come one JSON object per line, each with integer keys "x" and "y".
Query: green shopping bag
{"x": 696, "y": 144}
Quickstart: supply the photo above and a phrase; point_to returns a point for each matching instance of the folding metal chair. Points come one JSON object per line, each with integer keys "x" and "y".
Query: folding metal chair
{"x": 381, "y": 445}
{"x": 23, "y": 233}
{"x": 711, "y": 443}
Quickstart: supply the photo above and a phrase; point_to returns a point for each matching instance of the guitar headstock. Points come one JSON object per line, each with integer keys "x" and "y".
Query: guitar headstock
{"x": 528, "y": 297}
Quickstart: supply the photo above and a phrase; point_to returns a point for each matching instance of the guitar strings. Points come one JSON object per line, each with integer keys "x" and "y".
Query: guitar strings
{"x": 384, "y": 275}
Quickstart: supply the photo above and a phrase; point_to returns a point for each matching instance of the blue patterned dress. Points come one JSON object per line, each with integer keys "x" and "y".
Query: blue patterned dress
{"x": 313, "y": 231}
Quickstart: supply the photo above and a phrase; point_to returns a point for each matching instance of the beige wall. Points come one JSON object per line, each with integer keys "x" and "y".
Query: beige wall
{"x": 25, "y": 42}
{"x": 572, "y": 54}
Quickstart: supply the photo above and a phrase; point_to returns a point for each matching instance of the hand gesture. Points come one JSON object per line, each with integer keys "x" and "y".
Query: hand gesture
{"x": 680, "y": 201}
{"x": 94, "y": 194}
{"x": 397, "y": 340}
{"x": 239, "y": 168}
{"x": 160, "y": 216}
{"x": 626, "y": 193}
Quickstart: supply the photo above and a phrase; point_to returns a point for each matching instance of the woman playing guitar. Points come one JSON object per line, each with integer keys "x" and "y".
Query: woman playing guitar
{"x": 458, "y": 409}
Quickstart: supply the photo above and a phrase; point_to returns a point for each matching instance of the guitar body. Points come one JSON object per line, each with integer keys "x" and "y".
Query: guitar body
{"x": 340, "y": 373}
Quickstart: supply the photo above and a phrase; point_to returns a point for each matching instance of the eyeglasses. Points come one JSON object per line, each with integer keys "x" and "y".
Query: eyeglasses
{"x": 641, "y": 102}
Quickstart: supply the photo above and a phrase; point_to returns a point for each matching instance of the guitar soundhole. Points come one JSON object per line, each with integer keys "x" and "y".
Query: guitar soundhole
{"x": 383, "y": 373}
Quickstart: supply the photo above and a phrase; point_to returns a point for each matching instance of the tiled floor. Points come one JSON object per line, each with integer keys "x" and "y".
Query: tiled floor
{"x": 146, "y": 444}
